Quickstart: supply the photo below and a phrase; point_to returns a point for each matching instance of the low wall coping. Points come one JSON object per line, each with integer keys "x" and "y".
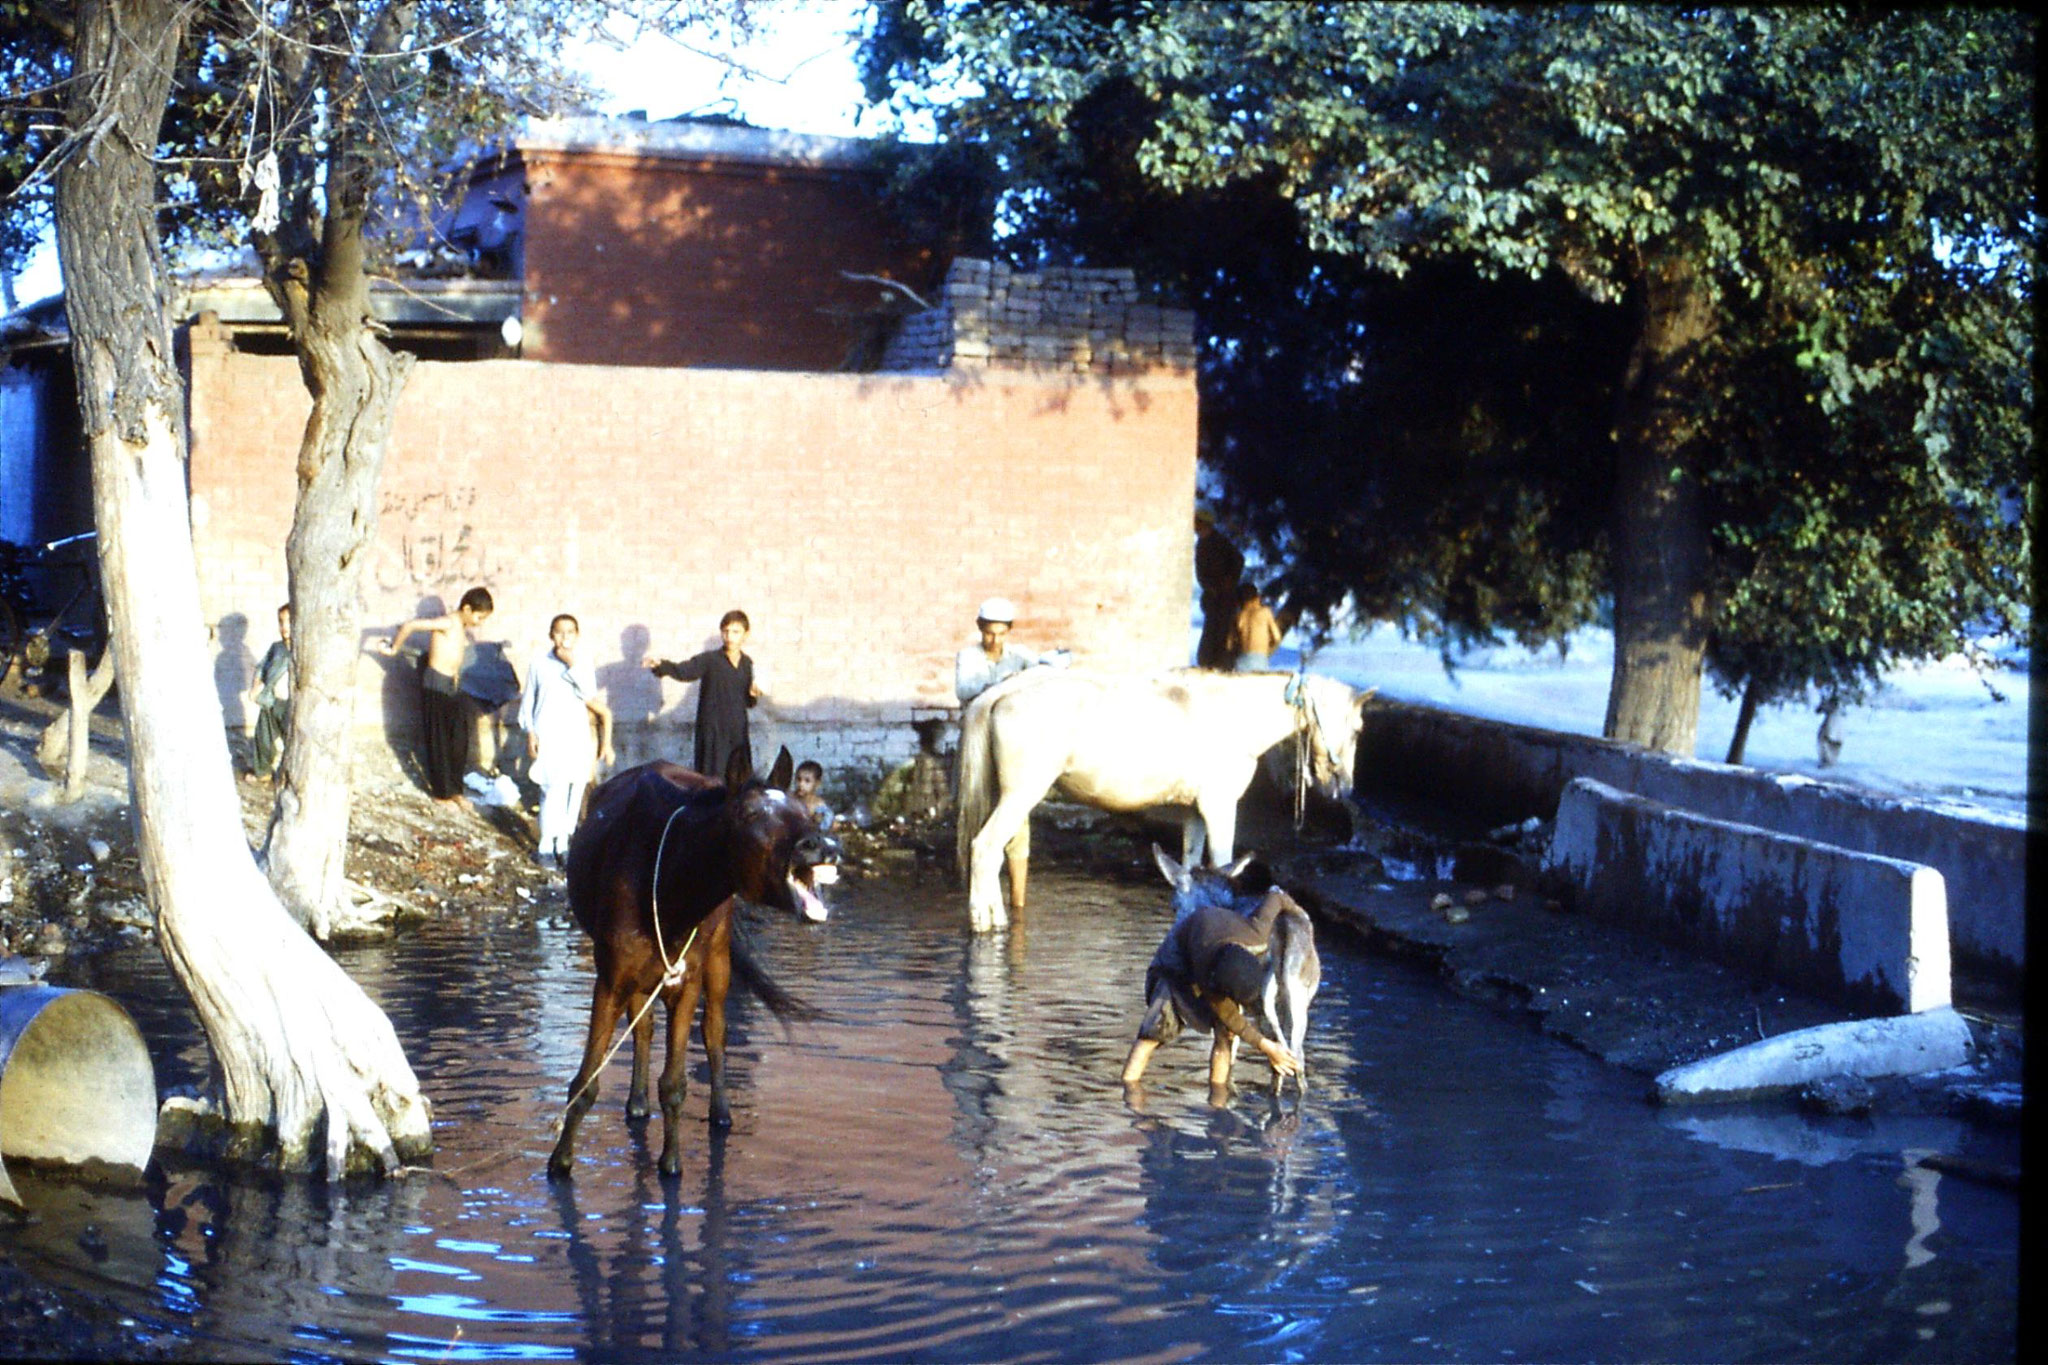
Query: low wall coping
{"x": 1507, "y": 771}
{"x": 1866, "y": 931}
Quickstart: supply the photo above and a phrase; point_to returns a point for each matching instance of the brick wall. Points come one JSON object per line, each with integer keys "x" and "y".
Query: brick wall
{"x": 664, "y": 261}
{"x": 858, "y": 519}
{"x": 1065, "y": 318}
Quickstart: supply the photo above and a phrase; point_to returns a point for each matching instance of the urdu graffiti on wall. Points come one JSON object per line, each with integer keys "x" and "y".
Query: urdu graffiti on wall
{"x": 429, "y": 543}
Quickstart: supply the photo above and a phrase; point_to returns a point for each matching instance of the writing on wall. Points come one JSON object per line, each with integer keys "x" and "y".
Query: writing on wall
{"x": 429, "y": 543}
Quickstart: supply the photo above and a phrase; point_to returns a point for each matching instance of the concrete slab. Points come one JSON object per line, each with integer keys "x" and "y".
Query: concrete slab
{"x": 1902, "y": 1045}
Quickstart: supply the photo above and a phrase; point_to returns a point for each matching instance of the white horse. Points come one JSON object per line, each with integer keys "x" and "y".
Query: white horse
{"x": 1294, "y": 970}
{"x": 1187, "y": 737}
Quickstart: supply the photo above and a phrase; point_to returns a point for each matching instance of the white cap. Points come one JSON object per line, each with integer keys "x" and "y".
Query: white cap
{"x": 997, "y": 609}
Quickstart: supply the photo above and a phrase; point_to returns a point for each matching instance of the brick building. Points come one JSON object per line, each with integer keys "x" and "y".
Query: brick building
{"x": 665, "y": 435}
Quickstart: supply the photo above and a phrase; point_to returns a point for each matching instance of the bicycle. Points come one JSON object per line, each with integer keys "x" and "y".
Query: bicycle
{"x": 32, "y": 637}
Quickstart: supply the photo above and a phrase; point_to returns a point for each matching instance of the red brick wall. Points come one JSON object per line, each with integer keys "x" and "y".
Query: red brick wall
{"x": 858, "y": 519}
{"x": 661, "y": 261}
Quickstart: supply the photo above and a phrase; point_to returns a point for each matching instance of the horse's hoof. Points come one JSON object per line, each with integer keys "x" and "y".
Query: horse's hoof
{"x": 640, "y": 1110}
{"x": 721, "y": 1118}
{"x": 558, "y": 1167}
{"x": 671, "y": 1165}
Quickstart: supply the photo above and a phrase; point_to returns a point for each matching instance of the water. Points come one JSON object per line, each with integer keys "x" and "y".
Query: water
{"x": 947, "y": 1170}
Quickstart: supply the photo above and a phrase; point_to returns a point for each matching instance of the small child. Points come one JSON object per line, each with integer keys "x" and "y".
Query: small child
{"x": 274, "y": 698}
{"x": 1256, "y": 632}
{"x": 809, "y": 774}
{"x": 556, "y": 711}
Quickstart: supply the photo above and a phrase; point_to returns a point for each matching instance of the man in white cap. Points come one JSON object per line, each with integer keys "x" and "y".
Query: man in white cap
{"x": 981, "y": 666}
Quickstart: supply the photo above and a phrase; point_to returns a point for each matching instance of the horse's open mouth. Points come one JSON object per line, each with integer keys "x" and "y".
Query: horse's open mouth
{"x": 803, "y": 884}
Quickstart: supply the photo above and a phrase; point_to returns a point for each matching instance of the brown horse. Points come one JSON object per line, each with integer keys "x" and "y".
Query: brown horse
{"x": 655, "y": 874}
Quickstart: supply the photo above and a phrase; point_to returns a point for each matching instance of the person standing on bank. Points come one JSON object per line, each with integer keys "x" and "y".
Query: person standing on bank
{"x": 1218, "y": 566}
{"x": 725, "y": 691}
{"x": 556, "y": 711}
{"x": 274, "y": 699}
{"x": 981, "y": 666}
{"x": 443, "y": 713}
{"x": 1256, "y": 633}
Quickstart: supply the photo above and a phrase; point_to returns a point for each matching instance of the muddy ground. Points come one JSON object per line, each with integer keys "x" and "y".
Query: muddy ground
{"x": 70, "y": 885}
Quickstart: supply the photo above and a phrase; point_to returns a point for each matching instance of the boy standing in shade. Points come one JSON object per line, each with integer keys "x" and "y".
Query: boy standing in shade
{"x": 274, "y": 698}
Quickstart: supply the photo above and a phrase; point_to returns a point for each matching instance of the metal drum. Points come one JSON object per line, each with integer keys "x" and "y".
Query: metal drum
{"x": 76, "y": 1084}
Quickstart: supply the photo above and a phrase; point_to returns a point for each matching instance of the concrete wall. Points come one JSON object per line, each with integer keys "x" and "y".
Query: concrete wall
{"x": 1870, "y": 933}
{"x": 1498, "y": 772}
{"x": 858, "y": 519}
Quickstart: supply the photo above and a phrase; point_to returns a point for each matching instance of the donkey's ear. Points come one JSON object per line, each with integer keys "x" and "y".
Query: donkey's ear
{"x": 1176, "y": 875}
{"x": 1249, "y": 876}
{"x": 739, "y": 769}
{"x": 784, "y": 771}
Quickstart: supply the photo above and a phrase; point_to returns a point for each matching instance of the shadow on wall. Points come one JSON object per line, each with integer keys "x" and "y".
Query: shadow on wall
{"x": 399, "y": 695}
{"x": 633, "y": 693}
{"x": 234, "y": 668}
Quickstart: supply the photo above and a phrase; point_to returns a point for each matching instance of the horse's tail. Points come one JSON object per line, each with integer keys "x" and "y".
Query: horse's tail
{"x": 974, "y": 783}
{"x": 748, "y": 970}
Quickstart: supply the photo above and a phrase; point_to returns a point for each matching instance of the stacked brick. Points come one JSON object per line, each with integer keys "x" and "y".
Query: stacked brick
{"x": 1062, "y": 318}
{"x": 635, "y": 497}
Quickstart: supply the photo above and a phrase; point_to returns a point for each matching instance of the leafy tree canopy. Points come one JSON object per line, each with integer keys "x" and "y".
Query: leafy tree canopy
{"x": 1424, "y": 243}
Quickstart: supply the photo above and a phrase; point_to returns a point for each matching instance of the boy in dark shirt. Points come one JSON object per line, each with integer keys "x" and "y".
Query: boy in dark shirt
{"x": 725, "y": 678}
{"x": 1206, "y": 974}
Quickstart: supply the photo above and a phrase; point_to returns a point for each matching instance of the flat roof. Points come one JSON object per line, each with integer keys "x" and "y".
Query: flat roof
{"x": 693, "y": 140}
{"x": 459, "y": 302}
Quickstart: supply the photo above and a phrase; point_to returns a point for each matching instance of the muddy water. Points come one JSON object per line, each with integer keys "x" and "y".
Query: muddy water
{"x": 947, "y": 1170}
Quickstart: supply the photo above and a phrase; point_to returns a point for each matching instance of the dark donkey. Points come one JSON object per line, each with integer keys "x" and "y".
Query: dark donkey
{"x": 661, "y": 836}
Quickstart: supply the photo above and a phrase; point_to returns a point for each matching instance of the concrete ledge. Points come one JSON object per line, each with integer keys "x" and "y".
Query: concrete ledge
{"x": 1904, "y": 1045}
{"x": 1869, "y": 933}
{"x": 1500, "y": 773}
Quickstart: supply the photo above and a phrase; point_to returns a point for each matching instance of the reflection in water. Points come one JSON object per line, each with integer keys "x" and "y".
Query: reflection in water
{"x": 946, "y": 1169}
{"x": 667, "y": 1286}
{"x": 1925, "y": 1211}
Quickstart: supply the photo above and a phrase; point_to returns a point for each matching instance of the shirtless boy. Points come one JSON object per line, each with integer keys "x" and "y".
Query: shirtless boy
{"x": 441, "y": 705}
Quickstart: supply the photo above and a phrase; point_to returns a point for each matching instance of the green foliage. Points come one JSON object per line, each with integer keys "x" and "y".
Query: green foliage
{"x": 1375, "y": 209}
{"x": 31, "y": 67}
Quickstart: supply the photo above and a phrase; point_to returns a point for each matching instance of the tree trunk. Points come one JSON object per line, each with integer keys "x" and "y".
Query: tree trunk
{"x": 66, "y": 747}
{"x": 1659, "y": 532}
{"x": 314, "y": 267}
{"x": 1752, "y": 697}
{"x": 299, "y": 1049}
{"x": 355, "y": 381}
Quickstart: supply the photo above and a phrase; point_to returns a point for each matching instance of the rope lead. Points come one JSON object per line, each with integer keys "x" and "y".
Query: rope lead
{"x": 672, "y": 973}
